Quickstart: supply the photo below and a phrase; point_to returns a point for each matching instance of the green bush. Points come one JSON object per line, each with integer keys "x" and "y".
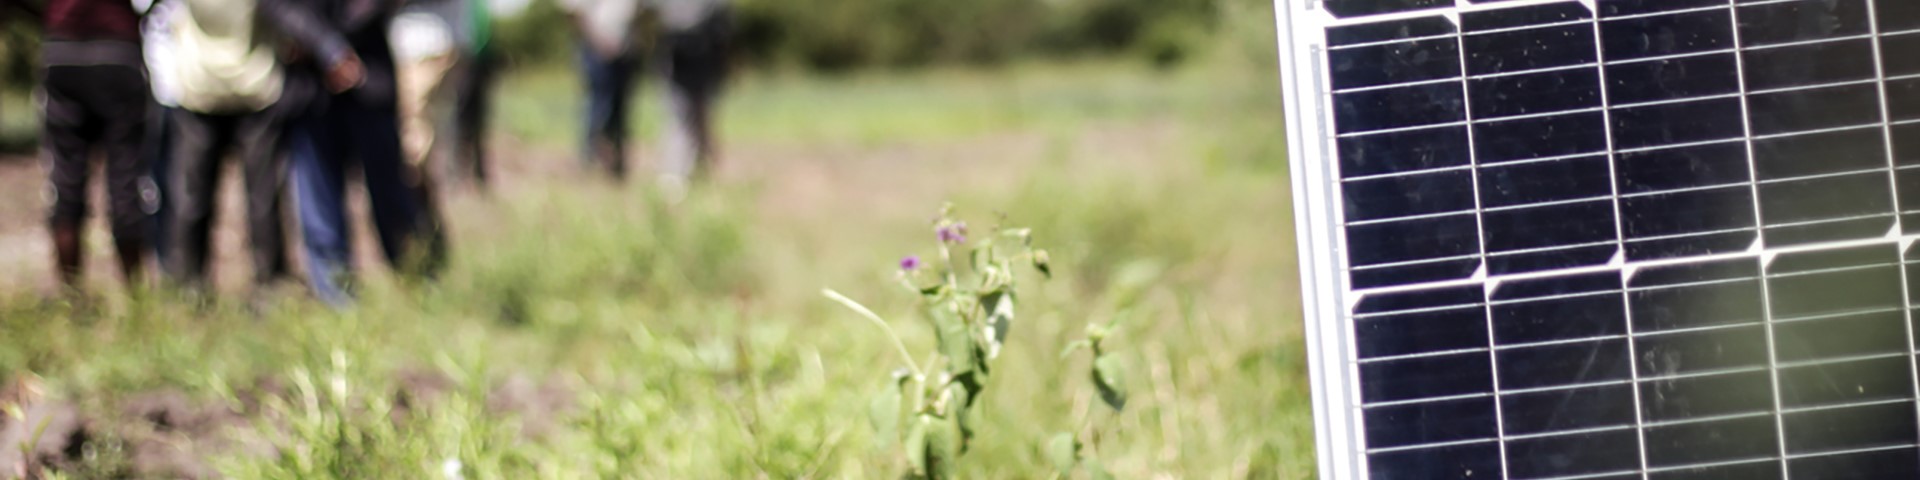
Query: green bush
{"x": 852, "y": 34}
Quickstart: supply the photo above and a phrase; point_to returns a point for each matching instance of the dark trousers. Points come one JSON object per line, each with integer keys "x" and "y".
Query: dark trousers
{"x": 201, "y": 141}
{"x": 322, "y": 144}
{"x": 472, "y": 109}
{"x": 609, "y": 89}
{"x": 98, "y": 108}
{"x": 159, "y": 152}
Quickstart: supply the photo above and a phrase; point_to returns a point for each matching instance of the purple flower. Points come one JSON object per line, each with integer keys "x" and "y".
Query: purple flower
{"x": 911, "y": 263}
{"x": 955, "y": 233}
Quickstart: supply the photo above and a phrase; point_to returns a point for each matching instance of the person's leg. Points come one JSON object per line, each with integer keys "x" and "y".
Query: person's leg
{"x": 160, "y": 158}
{"x": 598, "y": 109}
{"x": 622, "y": 76}
{"x": 202, "y": 141}
{"x": 393, "y": 195}
{"x": 319, "y": 194}
{"x": 261, "y": 156}
{"x": 65, "y": 147}
{"x": 123, "y": 109}
{"x": 474, "y": 109}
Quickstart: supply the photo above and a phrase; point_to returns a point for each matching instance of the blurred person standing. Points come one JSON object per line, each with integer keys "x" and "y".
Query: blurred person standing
{"x": 95, "y": 101}
{"x": 473, "y": 96}
{"x": 609, "y": 35}
{"x": 341, "y": 88}
{"x": 696, "y": 36}
{"x": 228, "y": 80}
{"x": 156, "y": 38}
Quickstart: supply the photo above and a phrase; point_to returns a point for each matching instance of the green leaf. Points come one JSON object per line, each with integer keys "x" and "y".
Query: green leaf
{"x": 955, "y": 341}
{"x": 960, "y": 408}
{"x": 1109, "y": 375}
{"x": 1064, "y": 450}
{"x": 884, "y": 412}
{"x": 1097, "y": 472}
{"x": 999, "y": 307}
{"x": 943, "y": 446}
{"x": 917, "y": 445}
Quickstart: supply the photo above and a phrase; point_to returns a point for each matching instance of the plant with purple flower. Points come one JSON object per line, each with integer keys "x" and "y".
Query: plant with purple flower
{"x": 970, "y": 307}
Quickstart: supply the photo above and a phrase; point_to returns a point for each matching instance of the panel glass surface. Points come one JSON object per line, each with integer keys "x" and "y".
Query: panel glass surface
{"x": 1612, "y": 238}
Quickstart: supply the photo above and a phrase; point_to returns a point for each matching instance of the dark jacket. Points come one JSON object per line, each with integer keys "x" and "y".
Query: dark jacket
{"x": 320, "y": 34}
{"x": 88, "y": 20}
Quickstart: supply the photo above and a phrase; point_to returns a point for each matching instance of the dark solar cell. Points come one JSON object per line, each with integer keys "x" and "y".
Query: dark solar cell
{"x": 1702, "y": 351}
{"x": 1820, "y": 153}
{"x": 1833, "y": 230}
{"x": 1430, "y": 422}
{"x": 1673, "y": 78}
{"x": 1748, "y": 470}
{"x": 1802, "y": 20}
{"x": 1906, "y": 144}
{"x": 1426, "y": 377}
{"x": 1809, "y": 64}
{"x": 1829, "y": 339}
{"x": 1420, "y": 299}
{"x": 1814, "y": 109}
{"x": 1695, "y": 166}
{"x": 1554, "y": 259}
{"x": 1903, "y": 99}
{"x": 1674, "y": 34}
{"x": 1414, "y": 273}
{"x": 1409, "y": 195}
{"x": 1728, "y": 302}
{"x": 1571, "y": 318}
{"x": 1825, "y": 198}
{"x": 1389, "y": 30}
{"x": 1415, "y": 239}
{"x": 1850, "y": 428}
{"x": 1689, "y": 246}
{"x": 1354, "y": 8}
{"x": 1896, "y": 54}
{"x": 1539, "y": 182}
{"x": 1677, "y": 123}
{"x": 1549, "y": 226}
{"x": 1706, "y": 396}
{"x": 1453, "y": 461}
{"x": 1895, "y": 463}
{"x": 1540, "y": 137}
{"x": 1684, "y": 212}
{"x": 1576, "y": 454}
{"x": 1638, "y": 7}
{"x": 1567, "y": 409}
{"x": 1404, "y": 151}
{"x": 1897, "y": 15}
{"x": 1422, "y": 332}
{"x": 1534, "y": 93}
{"x": 1393, "y": 63}
{"x": 1565, "y": 364}
{"x": 1529, "y": 49}
{"x": 1399, "y": 107}
{"x": 1557, "y": 286}
{"x": 1743, "y": 438}
{"x": 1850, "y": 382}
{"x": 1523, "y": 16}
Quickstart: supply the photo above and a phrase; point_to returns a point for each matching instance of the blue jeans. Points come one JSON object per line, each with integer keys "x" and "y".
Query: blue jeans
{"x": 609, "y": 89}
{"x": 321, "y": 145}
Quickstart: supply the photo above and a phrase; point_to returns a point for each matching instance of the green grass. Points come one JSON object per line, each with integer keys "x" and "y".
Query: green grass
{"x": 690, "y": 341}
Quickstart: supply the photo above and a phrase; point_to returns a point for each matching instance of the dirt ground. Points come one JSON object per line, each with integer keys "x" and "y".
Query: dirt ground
{"x": 889, "y": 181}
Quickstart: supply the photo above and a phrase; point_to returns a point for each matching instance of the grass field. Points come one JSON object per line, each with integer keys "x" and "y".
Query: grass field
{"x": 587, "y": 330}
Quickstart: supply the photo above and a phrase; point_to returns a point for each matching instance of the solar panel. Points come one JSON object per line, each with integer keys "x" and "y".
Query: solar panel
{"x": 1641, "y": 239}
